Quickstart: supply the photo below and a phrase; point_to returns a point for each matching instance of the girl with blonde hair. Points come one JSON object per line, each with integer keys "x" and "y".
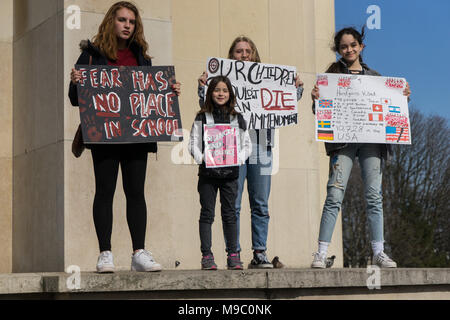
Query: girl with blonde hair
{"x": 258, "y": 167}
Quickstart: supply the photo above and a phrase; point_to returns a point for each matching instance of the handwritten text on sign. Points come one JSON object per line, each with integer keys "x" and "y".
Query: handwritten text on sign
{"x": 128, "y": 104}
{"x": 362, "y": 109}
{"x": 265, "y": 93}
{"x": 221, "y": 145}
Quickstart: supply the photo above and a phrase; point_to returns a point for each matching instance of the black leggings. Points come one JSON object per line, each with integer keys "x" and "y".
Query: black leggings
{"x": 133, "y": 162}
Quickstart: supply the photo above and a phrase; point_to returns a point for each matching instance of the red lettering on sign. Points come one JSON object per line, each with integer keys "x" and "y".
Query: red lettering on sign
{"x": 107, "y": 105}
{"x": 344, "y": 82}
{"x": 162, "y": 81}
{"x": 93, "y": 78}
{"x": 169, "y": 103}
{"x": 115, "y": 74}
{"x": 280, "y": 97}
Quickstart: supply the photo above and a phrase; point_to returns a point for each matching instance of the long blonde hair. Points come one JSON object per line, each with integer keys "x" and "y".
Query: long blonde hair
{"x": 106, "y": 39}
{"x": 255, "y": 54}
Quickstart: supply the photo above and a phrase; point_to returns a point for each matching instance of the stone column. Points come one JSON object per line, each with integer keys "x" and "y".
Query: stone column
{"x": 6, "y": 133}
{"x": 38, "y": 144}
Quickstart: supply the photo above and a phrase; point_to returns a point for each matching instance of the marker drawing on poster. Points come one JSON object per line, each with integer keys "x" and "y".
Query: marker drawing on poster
{"x": 221, "y": 145}
{"x": 362, "y": 109}
{"x": 266, "y": 94}
{"x": 128, "y": 104}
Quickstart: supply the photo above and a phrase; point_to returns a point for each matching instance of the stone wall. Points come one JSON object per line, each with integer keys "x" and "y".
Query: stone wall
{"x": 46, "y": 211}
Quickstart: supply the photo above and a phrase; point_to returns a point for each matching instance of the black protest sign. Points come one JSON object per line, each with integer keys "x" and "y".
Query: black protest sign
{"x": 128, "y": 104}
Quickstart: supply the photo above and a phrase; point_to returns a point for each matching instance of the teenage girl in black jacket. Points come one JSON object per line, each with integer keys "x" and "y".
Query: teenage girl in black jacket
{"x": 119, "y": 41}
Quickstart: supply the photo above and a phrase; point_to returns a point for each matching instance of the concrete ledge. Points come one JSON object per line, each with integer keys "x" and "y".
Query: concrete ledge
{"x": 20, "y": 283}
{"x": 329, "y": 278}
{"x": 223, "y": 284}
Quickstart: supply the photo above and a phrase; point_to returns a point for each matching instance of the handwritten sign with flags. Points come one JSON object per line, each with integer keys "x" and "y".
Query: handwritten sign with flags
{"x": 362, "y": 109}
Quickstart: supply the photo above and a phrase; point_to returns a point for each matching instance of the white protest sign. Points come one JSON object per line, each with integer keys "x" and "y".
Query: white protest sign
{"x": 266, "y": 95}
{"x": 362, "y": 109}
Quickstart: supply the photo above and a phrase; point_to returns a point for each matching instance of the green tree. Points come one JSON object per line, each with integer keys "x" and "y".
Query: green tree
{"x": 416, "y": 201}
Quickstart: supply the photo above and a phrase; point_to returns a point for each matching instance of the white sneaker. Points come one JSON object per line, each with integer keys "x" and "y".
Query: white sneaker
{"x": 143, "y": 260}
{"x": 320, "y": 260}
{"x": 383, "y": 261}
{"x": 105, "y": 262}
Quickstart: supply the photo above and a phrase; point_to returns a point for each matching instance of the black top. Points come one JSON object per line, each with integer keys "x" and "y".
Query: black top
{"x": 88, "y": 51}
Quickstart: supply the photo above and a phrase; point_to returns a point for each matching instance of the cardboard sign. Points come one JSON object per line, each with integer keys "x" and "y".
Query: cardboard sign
{"x": 265, "y": 93}
{"x": 362, "y": 109}
{"x": 221, "y": 145}
{"x": 128, "y": 104}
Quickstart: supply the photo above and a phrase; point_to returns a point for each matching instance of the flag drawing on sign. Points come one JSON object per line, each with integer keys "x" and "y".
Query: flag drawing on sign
{"x": 328, "y": 104}
{"x": 394, "y": 109}
{"x": 325, "y": 135}
{"x": 385, "y": 101}
{"x": 397, "y": 134}
{"x": 324, "y": 114}
{"x": 377, "y": 108}
{"x": 324, "y": 124}
{"x": 375, "y": 117}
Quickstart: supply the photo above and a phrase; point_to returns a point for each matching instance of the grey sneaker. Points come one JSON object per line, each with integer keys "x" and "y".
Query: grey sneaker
{"x": 383, "y": 261}
{"x": 260, "y": 261}
{"x": 208, "y": 263}
{"x": 234, "y": 262}
{"x": 143, "y": 261}
{"x": 105, "y": 262}
{"x": 320, "y": 260}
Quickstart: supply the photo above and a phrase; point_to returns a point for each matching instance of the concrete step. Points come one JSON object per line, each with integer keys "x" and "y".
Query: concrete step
{"x": 226, "y": 284}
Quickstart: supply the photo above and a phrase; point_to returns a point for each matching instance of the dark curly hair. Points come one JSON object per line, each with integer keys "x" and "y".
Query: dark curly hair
{"x": 209, "y": 102}
{"x": 336, "y": 67}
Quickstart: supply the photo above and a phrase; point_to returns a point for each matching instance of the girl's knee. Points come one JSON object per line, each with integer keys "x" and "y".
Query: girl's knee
{"x": 206, "y": 216}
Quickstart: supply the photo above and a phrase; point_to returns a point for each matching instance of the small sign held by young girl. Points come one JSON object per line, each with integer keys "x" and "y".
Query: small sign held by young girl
{"x": 221, "y": 145}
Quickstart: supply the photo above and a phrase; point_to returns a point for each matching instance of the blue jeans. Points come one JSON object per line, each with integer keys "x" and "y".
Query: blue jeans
{"x": 257, "y": 169}
{"x": 341, "y": 165}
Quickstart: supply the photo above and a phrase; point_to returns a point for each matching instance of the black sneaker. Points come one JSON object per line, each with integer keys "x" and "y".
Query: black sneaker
{"x": 260, "y": 261}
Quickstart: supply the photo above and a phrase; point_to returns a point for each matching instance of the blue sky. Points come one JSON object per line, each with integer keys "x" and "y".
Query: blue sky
{"x": 413, "y": 42}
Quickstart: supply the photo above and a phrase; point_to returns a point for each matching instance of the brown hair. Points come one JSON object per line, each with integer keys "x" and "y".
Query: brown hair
{"x": 209, "y": 102}
{"x": 255, "y": 54}
{"x": 106, "y": 40}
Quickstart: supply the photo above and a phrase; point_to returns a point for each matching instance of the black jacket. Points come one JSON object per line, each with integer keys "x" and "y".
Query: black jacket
{"x": 89, "y": 50}
{"x": 197, "y": 137}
